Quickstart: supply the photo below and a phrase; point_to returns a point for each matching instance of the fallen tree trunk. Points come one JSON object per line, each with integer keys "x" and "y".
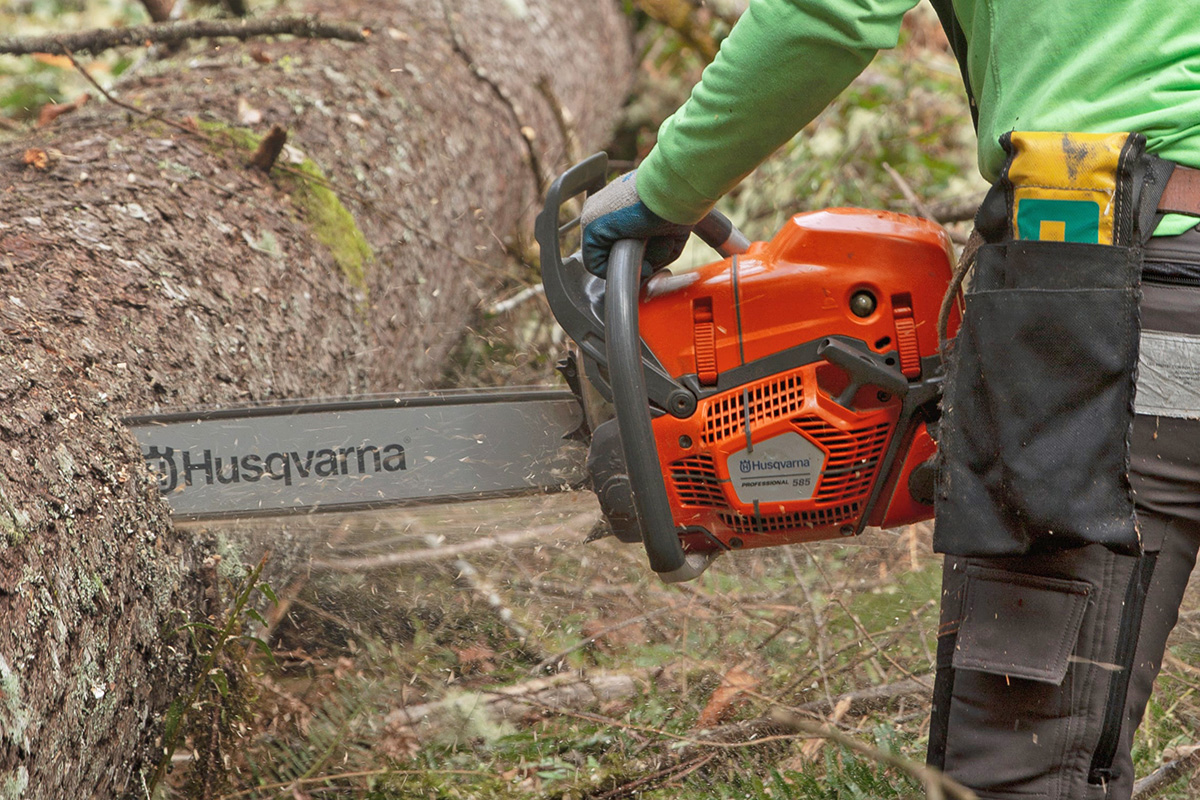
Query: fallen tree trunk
{"x": 145, "y": 268}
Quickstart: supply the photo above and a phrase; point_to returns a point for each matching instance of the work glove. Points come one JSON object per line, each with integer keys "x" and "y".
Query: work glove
{"x": 616, "y": 212}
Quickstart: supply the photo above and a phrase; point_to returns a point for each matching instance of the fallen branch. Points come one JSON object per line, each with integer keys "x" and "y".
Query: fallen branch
{"x": 937, "y": 785}
{"x": 544, "y": 533}
{"x": 1167, "y": 774}
{"x": 97, "y": 41}
{"x": 871, "y": 698}
{"x": 463, "y": 710}
{"x": 955, "y": 210}
{"x": 856, "y": 702}
{"x": 672, "y": 773}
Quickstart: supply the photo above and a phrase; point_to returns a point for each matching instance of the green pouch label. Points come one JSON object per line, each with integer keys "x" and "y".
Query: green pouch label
{"x": 1048, "y": 220}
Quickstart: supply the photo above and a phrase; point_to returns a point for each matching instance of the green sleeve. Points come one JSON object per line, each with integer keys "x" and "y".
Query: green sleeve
{"x": 784, "y": 61}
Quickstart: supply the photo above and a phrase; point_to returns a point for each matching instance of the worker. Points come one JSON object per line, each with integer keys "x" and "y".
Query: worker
{"x": 1069, "y": 524}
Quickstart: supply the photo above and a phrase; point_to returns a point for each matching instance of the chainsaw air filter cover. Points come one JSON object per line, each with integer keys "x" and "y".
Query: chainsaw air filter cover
{"x": 813, "y": 358}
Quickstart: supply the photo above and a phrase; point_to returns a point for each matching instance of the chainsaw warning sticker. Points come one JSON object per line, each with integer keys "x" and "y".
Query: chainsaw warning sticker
{"x": 777, "y": 470}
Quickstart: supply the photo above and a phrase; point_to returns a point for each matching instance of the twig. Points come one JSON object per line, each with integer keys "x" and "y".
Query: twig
{"x": 909, "y": 195}
{"x": 673, "y": 772}
{"x": 559, "y": 656}
{"x": 863, "y": 629}
{"x": 955, "y": 210}
{"x": 562, "y": 118}
{"x": 1167, "y": 774}
{"x": 818, "y": 638}
{"x": 936, "y": 784}
{"x": 97, "y": 41}
{"x": 857, "y": 702}
{"x": 510, "y": 539}
{"x": 528, "y": 293}
{"x": 366, "y": 773}
{"x": 128, "y": 107}
{"x": 862, "y": 700}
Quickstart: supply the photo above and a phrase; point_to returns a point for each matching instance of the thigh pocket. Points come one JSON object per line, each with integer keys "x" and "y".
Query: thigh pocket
{"x": 1018, "y": 625}
{"x": 1038, "y": 405}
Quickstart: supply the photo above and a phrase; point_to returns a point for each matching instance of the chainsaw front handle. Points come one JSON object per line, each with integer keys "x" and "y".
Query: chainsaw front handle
{"x": 601, "y": 316}
{"x": 628, "y": 380}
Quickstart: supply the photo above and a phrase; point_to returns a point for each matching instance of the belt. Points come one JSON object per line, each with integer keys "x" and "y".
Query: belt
{"x": 1182, "y": 195}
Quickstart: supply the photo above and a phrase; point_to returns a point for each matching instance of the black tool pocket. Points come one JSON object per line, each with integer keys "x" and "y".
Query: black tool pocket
{"x": 1038, "y": 407}
{"x": 1019, "y": 625}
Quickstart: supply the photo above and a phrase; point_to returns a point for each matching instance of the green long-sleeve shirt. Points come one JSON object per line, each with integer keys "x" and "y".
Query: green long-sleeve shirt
{"x": 1079, "y": 65}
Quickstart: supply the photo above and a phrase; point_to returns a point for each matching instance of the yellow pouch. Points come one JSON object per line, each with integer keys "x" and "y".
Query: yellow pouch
{"x": 1064, "y": 185}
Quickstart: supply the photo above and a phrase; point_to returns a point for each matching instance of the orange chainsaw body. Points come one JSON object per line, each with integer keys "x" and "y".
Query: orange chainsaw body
{"x": 775, "y": 451}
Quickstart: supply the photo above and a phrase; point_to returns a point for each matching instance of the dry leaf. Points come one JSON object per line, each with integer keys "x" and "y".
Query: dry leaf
{"x": 809, "y": 749}
{"x": 37, "y": 158}
{"x": 50, "y": 59}
{"x": 52, "y": 111}
{"x": 258, "y": 55}
{"x": 735, "y": 683}
{"x": 476, "y": 658}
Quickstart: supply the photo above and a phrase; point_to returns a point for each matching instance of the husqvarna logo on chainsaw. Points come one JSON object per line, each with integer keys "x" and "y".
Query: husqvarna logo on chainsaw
{"x": 195, "y": 467}
{"x": 780, "y": 469}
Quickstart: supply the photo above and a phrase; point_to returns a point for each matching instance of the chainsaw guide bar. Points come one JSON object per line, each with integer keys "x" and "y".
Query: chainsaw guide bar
{"x": 345, "y": 455}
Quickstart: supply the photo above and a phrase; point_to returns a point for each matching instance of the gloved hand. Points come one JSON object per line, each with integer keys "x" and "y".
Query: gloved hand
{"x": 616, "y": 212}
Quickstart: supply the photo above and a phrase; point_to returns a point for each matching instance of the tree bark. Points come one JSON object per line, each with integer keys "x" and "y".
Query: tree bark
{"x": 143, "y": 268}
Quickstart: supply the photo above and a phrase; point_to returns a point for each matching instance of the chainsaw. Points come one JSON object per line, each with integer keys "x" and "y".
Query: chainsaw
{"x": 785, "y": 393}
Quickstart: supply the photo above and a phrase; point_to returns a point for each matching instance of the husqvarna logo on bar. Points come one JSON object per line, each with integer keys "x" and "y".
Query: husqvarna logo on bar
{"x": 176, "y": 468}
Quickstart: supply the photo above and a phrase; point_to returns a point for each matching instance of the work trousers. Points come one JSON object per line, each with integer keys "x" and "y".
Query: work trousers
{"x": 1048, "y": 733}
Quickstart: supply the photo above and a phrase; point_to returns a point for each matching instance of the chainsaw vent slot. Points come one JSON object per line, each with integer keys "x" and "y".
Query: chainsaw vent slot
{"x": 704, "y": 341}
{"x": 906, "y": 336}
{"x": 854, "y": 457}
{"x": 774, "y": 523}
{"x": 696, "y": 483}
{"x": 776, "y": 397}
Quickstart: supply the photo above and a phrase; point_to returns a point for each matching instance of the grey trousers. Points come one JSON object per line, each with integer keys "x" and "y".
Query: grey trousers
{"x": 1046, "y": 662}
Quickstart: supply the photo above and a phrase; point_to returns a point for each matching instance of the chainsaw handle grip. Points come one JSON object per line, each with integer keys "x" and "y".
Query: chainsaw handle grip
{"x": 628, "y": 381}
